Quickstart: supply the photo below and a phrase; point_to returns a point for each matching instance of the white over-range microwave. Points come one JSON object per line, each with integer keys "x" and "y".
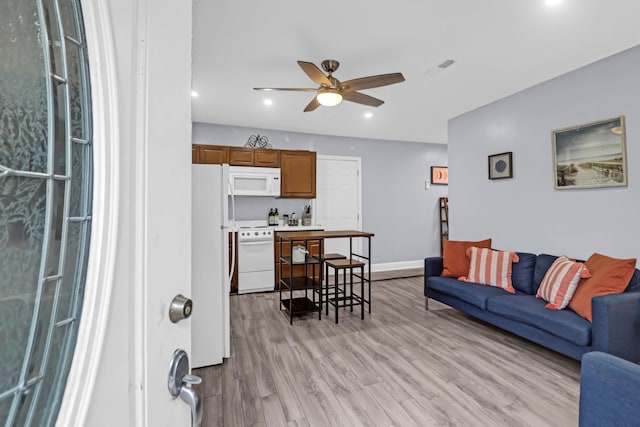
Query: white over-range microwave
{"x": 252, "y": 181}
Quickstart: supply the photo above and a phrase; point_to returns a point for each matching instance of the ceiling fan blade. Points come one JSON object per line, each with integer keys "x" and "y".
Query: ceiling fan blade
{"x": 312, "y": 105}
{"x": 314, "y": 73}
{"x": 361, "y": 98}
{"x": 372, "y": 81}
{"x": 296, "y": 89}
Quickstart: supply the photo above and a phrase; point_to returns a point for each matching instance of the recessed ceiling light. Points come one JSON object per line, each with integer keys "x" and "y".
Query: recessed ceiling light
{"x": 552, "y": 2}
{"x": 268, "y": 102}
{"x": 194, "y": 94}
{"x": 368, "y": 114}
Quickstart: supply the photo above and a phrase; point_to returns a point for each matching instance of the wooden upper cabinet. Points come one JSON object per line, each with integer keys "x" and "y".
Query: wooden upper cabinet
{"x": 241, "y": 156}
{"x": 266, "y": 158}
{"x": 213, "y": 154}
{"x": 195, "y": 154}
{"x": 298, "y": 170}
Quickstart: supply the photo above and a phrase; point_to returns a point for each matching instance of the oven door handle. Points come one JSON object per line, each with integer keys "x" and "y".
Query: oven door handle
{"x": 264, "y": 242}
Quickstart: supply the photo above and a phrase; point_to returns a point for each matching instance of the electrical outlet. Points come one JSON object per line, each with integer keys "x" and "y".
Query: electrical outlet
{"x": 426, "y": 184}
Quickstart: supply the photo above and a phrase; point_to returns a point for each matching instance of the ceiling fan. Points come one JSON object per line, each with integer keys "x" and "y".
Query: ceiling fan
{"x": 331, "y": 91}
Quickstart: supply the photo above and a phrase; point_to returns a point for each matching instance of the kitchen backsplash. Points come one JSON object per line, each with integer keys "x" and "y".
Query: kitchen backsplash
{"x": 250, "y": 208}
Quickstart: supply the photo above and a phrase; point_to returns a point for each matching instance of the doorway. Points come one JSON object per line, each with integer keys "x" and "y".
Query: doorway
{"x": 338, "y": 203}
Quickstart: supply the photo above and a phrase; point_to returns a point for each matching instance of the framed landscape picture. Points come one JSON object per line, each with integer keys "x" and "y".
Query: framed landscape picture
{"x": 591, "y": 155}
{"x": 439, "y": 175}
{"x": 501, "y": 165}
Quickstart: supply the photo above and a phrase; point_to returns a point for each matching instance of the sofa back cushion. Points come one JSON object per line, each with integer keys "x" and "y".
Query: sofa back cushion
{"x": 634, "y": 283}
{"x": 522, "y": 273}
{"x": 543, "y": 262}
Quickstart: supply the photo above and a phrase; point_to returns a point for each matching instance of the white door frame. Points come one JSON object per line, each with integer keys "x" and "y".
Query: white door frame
{"x": 142, "y": 158}
{"x": 104, "y": 227}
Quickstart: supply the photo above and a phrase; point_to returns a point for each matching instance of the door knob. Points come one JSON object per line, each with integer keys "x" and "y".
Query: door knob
{"x": 180, "y": 382}
{"x": 180, "y": 308}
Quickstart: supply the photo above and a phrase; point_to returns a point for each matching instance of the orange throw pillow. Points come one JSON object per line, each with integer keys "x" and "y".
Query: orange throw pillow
{"x": 454, "y": 257}
{"x": 608, "y": 276}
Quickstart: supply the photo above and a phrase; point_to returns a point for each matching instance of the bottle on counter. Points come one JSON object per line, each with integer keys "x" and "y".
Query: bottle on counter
{"x": 294, "y": 221}
{"x": 270, "y": 217}
{"x": 306, "y": 216}
{"x": 276, "y": 218}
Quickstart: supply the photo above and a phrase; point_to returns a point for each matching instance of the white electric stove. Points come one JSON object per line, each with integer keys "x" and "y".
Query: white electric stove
{"x": 255, "y": 257}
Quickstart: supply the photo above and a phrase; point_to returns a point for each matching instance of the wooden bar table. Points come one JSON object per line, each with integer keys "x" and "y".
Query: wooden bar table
{"x": 301, "y": 305}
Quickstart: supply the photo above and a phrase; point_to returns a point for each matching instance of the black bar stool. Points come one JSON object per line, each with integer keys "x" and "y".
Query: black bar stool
{"x": 345, "y": 300}
{"x": 327, "y": 285}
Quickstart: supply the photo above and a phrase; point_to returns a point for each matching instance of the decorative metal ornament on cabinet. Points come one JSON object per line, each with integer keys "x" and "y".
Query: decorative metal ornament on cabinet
{"x": 258, "y": 141}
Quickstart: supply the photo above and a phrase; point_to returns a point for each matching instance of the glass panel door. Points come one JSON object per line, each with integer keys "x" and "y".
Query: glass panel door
{"x": 45, "y": 202}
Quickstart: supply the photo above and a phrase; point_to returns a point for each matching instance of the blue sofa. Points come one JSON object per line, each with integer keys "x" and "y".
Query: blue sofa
{"x": 616, "y": 318}
{"x": 609, "y": 391}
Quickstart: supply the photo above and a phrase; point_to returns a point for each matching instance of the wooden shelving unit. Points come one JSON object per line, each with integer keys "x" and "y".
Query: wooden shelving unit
{"x": 444, "y": 222}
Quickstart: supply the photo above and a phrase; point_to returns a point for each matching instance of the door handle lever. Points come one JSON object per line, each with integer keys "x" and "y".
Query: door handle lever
{"x": 189, "y": 396}
{"x": 180, "y": 382}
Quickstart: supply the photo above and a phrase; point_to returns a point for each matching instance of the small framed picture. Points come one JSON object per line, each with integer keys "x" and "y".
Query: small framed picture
{"x": 439, "y": 175}
{"x": 501, "y": 165}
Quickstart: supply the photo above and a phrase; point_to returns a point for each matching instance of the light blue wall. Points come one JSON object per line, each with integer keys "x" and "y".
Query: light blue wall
{"x": 526, "y": 213}
{"x": 395, "y": 205}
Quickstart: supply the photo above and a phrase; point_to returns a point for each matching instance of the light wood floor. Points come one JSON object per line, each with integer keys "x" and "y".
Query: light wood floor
{"x": 400, "y": 366}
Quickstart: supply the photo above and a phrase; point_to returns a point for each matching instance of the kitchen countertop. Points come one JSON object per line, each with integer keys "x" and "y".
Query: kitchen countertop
{"x": 298, "y": 227}
{"x": 315, "y": 235}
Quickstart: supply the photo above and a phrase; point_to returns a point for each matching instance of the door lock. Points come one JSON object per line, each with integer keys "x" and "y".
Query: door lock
{"x": 180, "y": 308}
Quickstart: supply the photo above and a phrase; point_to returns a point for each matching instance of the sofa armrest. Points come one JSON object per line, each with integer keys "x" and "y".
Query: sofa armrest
{"x": 616, "y": 325}
{"x": 609, "y": 391}
{"x": 433, "y": 266}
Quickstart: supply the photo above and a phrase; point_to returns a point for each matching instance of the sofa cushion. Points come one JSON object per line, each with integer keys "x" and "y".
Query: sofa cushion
{"x": 454, "y": 256}
{"x": 560, "y": 282}
{"x": 543, "y": 262}
{"x": 608, "y": 276}
{"x": 530, "y": 310}
{"x": 522, "y": 273}
{"x": 492, "y": 268}
{"x": 471, "y": 293}
{"x": 634, "y": 283}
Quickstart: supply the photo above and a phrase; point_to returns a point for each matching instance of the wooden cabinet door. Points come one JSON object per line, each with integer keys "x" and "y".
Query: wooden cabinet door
{"x": 194, "y": 154}
{"x": 241, "y": 156}
{"x": 213, "y": 154}
{"x": 266, "y": 158}
{"x": 298, "y": 170}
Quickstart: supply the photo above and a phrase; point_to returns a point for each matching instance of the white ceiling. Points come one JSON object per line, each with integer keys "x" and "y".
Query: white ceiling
{"x": 499, "y": 46}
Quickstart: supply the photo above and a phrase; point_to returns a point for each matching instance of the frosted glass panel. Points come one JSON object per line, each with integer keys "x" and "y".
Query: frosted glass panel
{"x": 46, "y": 182}
{"x": 23, "y": 85}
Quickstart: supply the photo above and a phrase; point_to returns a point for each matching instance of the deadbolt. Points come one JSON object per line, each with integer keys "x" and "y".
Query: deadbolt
{"x": 180, "y": 308}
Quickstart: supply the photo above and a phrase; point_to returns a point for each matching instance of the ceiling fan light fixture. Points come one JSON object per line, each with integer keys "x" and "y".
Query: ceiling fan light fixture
{"x": 329, "y": 97}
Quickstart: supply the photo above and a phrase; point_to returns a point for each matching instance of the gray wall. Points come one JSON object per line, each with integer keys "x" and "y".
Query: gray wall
{"x": 526, "y": 213}
{"x": 395, "y": 205}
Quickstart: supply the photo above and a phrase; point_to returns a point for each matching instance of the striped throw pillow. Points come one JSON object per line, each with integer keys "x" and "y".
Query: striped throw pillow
{"x": 489, "y": 267}
{"x": 560, "y": 282}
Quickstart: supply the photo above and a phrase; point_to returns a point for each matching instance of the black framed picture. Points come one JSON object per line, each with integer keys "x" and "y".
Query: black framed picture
{"x": 439, "y": 175}
{"x": 501, "y": 165}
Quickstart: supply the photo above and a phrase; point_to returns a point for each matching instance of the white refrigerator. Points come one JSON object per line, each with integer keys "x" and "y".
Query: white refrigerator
{"x": 211, "y": 278}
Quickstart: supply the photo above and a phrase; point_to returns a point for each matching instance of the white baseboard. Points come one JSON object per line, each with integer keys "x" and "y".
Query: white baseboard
{"x": 400, "y": 265}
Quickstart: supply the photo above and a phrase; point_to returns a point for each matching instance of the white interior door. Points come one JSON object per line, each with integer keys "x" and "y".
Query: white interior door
{"x": 163, "y": 217}
{"x": 338, "y": 201}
